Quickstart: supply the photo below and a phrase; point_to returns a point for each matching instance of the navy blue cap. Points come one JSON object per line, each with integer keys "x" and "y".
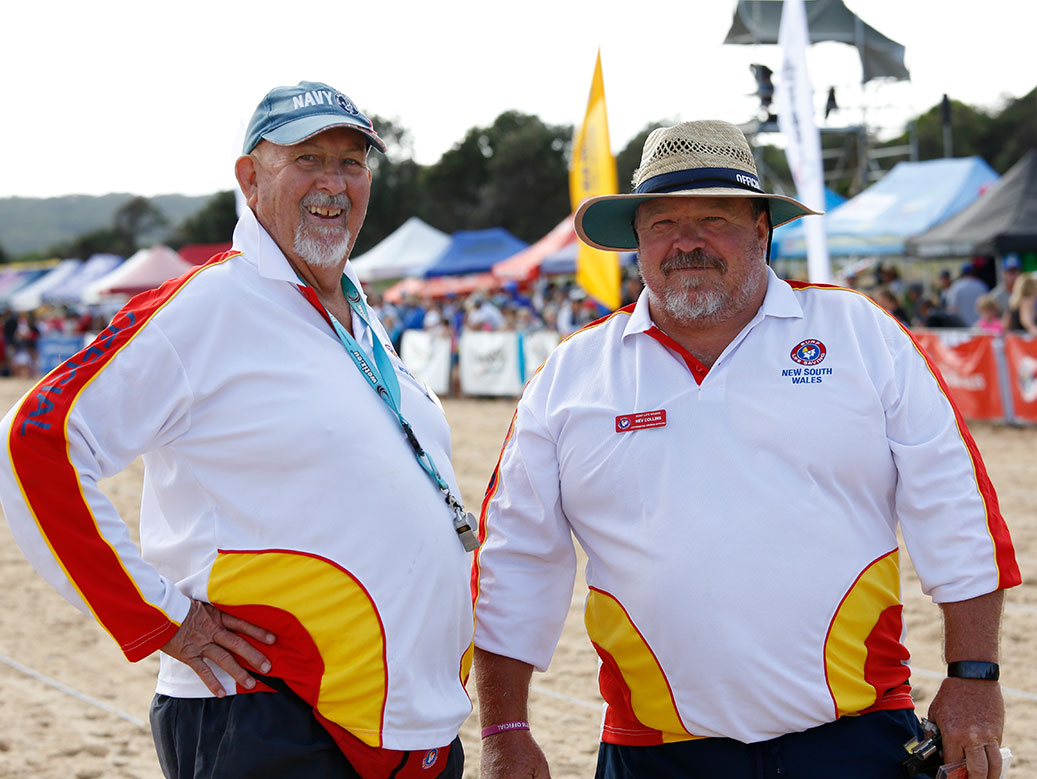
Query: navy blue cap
{"x": 290, "y": 115}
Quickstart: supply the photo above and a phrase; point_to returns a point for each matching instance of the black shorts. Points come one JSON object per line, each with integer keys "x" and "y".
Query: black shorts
{"x": 257, "y": 735}
{"x": 870, "y": 746}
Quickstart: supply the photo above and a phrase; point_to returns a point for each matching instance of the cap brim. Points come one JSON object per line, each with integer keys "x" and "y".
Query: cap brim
{"x": 305, "y": 127}
{"x": 607, "y": 221}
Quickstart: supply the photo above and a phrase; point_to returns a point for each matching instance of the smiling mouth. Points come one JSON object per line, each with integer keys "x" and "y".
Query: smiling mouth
{"x": 324, "y": 213}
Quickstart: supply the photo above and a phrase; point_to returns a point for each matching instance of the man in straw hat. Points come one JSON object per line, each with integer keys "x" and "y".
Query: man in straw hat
{"x": 301, "y": 569}
{"x": 734, "y": 453}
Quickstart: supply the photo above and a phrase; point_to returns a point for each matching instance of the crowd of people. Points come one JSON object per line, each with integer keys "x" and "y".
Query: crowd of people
{"x": 22, "y": 331}
{"x": 550, "y": 303}
{"x": 977, "y": 298}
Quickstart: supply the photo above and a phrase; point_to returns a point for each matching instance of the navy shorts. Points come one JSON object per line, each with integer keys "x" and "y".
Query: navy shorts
{"x": 870, "y": 746}
{"x": 258, "y": 735}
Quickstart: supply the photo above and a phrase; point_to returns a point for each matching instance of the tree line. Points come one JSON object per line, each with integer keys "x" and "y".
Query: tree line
{"x": 514, "y": 174}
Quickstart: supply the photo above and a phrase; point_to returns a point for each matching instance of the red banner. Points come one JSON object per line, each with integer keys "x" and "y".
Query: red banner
{"x": 969, "y": 369}
{"x": 1021, "y": 356}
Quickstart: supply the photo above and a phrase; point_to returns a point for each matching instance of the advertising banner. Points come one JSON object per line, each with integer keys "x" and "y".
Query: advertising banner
{"x": 489, "y": 363}
{"x": 1021, "y": 358}
{"x": 534, "y": 348}
{"x": 52, "y": 350}
{"x": 969, "y": 369}
{"x": 427, "y": 356}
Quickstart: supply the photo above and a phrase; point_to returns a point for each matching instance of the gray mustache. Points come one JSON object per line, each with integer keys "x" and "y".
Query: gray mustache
{"x": 319, "y": 200}
{"x": 697, "y": 259}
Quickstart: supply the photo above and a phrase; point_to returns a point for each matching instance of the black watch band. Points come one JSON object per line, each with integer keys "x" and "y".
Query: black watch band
{"x": 974, "y": 669}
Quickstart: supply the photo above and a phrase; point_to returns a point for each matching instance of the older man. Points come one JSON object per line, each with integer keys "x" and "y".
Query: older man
{"x": 301, "y": 538}
{"x": 734, "y": 453}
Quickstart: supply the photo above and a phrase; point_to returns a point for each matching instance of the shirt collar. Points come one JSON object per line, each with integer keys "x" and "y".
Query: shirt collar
{"x": 779, "y": 301}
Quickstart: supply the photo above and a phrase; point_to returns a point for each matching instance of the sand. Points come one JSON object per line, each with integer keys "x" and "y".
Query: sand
{"x": 47, "y": 732}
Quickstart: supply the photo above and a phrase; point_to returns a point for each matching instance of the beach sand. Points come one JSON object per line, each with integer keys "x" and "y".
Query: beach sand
{"x": 50, "y": 733}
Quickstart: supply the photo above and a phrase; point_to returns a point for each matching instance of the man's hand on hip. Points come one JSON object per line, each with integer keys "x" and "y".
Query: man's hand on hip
{"x": 210, "y": 634}
{"x": 513, "y": 755}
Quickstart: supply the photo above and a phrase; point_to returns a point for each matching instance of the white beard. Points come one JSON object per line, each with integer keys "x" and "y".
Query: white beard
{"x": 695, "y": 301}
{"x": 322, "y": 246}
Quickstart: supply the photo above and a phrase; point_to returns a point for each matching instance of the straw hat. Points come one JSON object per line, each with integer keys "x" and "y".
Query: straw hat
{"x": 692, "y": 159}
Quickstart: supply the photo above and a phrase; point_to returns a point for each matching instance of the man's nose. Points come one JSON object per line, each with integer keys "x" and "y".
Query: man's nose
{"x": 688, "y": 235}
{"x": 332, "y": 179}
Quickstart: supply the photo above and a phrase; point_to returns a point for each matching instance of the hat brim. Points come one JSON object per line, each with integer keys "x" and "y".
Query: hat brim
{"x": 299, "y": 130}
{"x": 607, "y": 221}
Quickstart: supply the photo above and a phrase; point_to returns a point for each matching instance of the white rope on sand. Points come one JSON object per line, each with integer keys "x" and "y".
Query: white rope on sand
{"x": 70, "y": 690}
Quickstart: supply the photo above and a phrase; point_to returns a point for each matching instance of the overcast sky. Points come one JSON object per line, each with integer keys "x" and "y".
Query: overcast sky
{"x": 148, "y": 98}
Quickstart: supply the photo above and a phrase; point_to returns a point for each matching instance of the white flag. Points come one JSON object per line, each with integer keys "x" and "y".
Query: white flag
{"x": 795, "y": 103}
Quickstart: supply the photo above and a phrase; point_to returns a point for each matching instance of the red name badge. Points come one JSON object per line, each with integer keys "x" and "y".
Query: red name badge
{"x": 641, "y": 421}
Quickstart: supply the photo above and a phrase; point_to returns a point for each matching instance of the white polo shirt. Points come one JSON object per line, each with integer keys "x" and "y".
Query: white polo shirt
{"x": 277, "y": 485}
{"x": 739, "y": 523}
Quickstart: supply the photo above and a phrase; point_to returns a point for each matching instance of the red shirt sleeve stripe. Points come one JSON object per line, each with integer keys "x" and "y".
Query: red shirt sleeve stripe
{"x": 50, "y": 484}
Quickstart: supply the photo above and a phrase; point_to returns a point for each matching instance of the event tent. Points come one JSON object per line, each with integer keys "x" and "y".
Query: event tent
{"x": 201, "y": 253}
{"x": 526, "y": 264}
{"x": 563, "y": 261}
{"x": 441, "y": 287}
{"x": 908, "y": 200}
{"x": 19, "y": 275}
{"x": 145, "y": 270}
{"x": 832, "y": 201}
{"x": 1002, "y": 221}
{"x": 474, "y": 251}
{"x": 407, "y": 251}
{"x": 70, "y": 290}
{"x": 31, "y": 296}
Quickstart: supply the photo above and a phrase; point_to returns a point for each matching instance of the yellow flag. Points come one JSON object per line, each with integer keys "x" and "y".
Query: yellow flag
{"x": 593, "y": 172}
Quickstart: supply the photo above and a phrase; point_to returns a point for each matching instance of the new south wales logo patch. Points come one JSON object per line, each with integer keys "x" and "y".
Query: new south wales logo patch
{"x": 809, "y": 352}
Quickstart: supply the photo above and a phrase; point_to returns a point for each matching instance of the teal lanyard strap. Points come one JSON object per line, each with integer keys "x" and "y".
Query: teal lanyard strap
{"x": 381, "y": 376}
{"x": 383, "y": 379}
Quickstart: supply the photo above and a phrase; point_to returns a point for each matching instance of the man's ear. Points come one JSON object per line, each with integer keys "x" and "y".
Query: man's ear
{"x": 245, "y": 172}
{"x": 763, "y": 224}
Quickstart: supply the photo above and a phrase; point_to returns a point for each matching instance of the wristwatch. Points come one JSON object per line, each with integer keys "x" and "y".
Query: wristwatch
{"x": 974, "y": 669}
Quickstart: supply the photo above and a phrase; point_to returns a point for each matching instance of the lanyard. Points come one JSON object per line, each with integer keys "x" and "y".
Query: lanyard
{"x": 383, "y": 380}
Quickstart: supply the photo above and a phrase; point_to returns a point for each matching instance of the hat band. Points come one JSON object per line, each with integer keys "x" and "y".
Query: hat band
{"x": 699, "y": 178}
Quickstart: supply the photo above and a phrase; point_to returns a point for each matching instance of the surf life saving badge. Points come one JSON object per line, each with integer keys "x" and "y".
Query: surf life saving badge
{"x": 808, "y": 354}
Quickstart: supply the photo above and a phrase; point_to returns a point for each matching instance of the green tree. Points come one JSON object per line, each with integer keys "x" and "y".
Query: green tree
{"x": 3, "y": 256}
{"x": 1013, "y": 132}
{"x": 1000, "y": 137}
{"x": 512, "y": 174}
{"x": 628, "y": 160}
{"x": 529, "y": 178}
{"x": 105, "y": 240}
{"x": 969, "y": 128}
{"x": 396, "y": 192}
{"x": 212, "y": 223}
{"x": 137, "y": 218}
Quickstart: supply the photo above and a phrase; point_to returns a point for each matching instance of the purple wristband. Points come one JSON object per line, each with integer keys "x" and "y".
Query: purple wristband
{"x": 504, "y": 727}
